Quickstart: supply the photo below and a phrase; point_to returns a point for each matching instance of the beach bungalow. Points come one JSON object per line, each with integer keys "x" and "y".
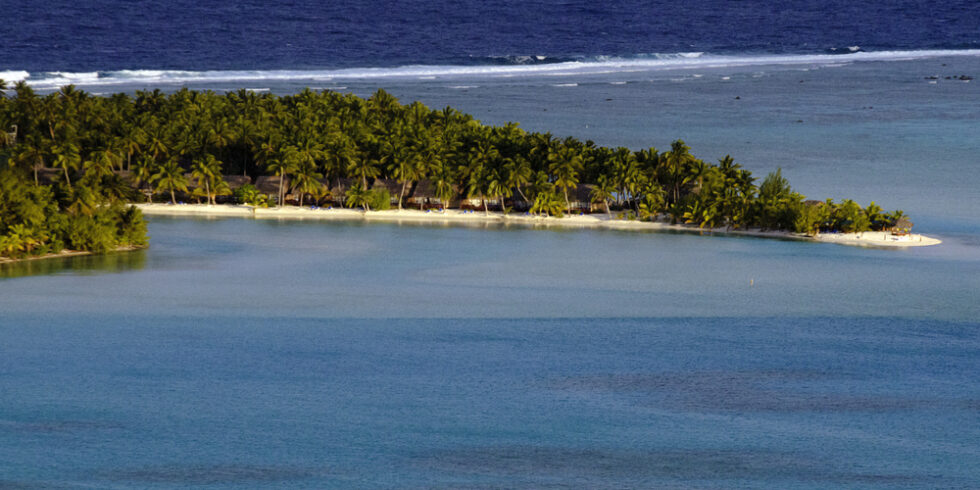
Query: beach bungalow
{"x": 391, "y": 186}
{"x": 475, "y": 203}
{"x": 338, "y": 191}
{"x": 234, "y": 182}
{"x": 580, "y": 198}
{"x": 423, "y": 196}
{"x": 269, "y": 185}
{"x": 517, "y": 202}
{"x": 902, "y": 227}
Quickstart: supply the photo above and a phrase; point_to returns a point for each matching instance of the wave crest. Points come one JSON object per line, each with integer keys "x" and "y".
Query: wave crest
{"x": 514, "y": 66}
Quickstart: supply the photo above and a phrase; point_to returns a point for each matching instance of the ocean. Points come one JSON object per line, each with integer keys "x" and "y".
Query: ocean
{"x": 259, "y": 353}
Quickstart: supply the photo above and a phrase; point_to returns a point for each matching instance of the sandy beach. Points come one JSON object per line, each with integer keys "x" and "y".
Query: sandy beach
{"x": 867, "y": 239}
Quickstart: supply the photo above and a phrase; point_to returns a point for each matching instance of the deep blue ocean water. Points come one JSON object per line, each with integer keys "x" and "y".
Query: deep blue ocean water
{"x": 240, "y": 353}
{"x": 91, "y": 35}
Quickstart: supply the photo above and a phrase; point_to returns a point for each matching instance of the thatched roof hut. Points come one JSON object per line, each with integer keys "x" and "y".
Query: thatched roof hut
{"x": 236, "y": 181}
{"x": 391, "y": 186}
{"x": 902, "y": 226}
{"x": 424, "y": 195}
{"x": 580, "y": 198}
{"x": 338, "y": 190}
{"x": 269, "y": 184}
{"x": 517, "y": 201}
{"x": 424, "y": 189}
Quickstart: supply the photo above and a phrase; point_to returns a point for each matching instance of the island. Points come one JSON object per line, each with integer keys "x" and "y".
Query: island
{"x": 72, "y": 164}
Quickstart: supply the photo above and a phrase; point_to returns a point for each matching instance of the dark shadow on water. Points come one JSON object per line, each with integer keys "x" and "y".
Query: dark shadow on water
{"x": 759, "y": 391}
{"x": 15, "y": 485}
{"x": 236, "y": 474}
{"x": 83, "y": 264}
{"x": 57, "y": 426}
{"x": 536, "y": 467}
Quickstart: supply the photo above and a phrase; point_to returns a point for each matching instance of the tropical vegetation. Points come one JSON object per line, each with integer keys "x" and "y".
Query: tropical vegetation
{"x": 101, "y": 148}
{"x": 83, "y": 211}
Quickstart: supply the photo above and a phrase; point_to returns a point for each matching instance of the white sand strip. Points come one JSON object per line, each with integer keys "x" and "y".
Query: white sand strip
{"x": 868, "y": 239}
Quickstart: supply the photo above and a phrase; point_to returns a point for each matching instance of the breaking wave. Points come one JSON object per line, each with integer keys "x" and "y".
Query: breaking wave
{"x": 506, "y": 67}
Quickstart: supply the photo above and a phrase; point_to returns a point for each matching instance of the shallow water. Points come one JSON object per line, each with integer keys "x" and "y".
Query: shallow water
{"x": 270, "y": 268}
{"x": 237, "y": 352}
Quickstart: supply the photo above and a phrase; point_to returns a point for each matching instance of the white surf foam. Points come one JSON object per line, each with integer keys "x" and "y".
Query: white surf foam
{"x": 604, "y": 65}
{"x": 12, "y": 77}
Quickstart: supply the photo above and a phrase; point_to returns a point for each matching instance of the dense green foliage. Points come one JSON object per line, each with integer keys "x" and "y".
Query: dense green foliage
{"x": 85, "y": 214}
{"x": 169, "y": 141}
{"x": 43, "y": 219}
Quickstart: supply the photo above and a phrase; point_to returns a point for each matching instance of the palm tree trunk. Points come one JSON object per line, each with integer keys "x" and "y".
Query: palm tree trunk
{"x": 608, "y": 212}
{"x": 207, "y": 188}
{"x": 367, "y": 207}
{"x": 486, "y": 211}
{"x": 67, "y": 179}
{"x": 281, "y": 179}
{"x": 173, "y": 198}
{"x": 568, "y": 205}
{"x": 402, "y": 195}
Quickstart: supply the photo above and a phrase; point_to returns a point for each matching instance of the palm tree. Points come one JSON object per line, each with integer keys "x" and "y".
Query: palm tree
{"x": 207, "y": 171}
{"x": 66, "y": 157}
{"x": 170, "y": 177}
{"x": 676, "y": 162}
{"x": 363, "y": 169}
{"x": 282, "y": 165}
{"x": 145, "y": 168}
{"x": 32, "y": 155}
{"x": 603, "y": 191}
{"x": 219, "y": 134}
{"x": 307, "y": 180}
{"x": 496, "y": 187}
{"x": 547, "y": 201}
{"x": 131, "y": 143}
{"x": 102, "y": 161}
{"x": 519, "y": 173}
{"x": 875, "y": 217}
{"x": 156, "y": 142}
{"x": 565, "y": 165}
{"x": 405, "y": 167}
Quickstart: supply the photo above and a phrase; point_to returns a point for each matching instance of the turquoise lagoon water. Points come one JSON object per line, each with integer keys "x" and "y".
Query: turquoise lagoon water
{"x": 241, "y": 353}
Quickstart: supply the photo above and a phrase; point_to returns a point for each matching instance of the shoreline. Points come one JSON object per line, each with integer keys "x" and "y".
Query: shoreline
{"x": 65, "y": 254}
{"x": 597, "y": 220}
